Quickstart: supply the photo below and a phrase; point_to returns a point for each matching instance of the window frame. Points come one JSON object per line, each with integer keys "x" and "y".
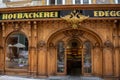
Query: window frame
{"x": 81, "y": 2}
{"x": 48, "y": 2}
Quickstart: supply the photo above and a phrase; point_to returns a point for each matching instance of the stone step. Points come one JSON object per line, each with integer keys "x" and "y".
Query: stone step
{"x": 73, "y": 78}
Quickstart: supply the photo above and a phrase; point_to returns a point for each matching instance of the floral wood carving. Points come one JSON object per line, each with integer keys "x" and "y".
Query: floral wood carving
{"x": 73, "y": 33}
{"x": 17, "y": 26}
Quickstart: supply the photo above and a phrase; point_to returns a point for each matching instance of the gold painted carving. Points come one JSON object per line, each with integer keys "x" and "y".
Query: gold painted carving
{"x": 74, "y": 19}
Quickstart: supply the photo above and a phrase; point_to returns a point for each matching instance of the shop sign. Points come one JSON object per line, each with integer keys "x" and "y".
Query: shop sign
{"x": 59, "y": 14}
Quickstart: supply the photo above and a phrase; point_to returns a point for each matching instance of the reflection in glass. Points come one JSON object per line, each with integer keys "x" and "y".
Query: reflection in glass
{"x": 87, "y": 57}
{"x": 59, "y": 1}
{"x": 77, "y": 1}
{"x": 103, "y": 1}
{"x": 60, "y": 57}
{"x": 52, "y": 2}
{"x": 118, "y": 1}
{"x": 85, "y": 1}
{"x": 17, "y": 52}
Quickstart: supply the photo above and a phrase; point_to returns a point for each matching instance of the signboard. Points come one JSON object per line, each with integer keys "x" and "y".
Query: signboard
{"x": 58, "y": 14}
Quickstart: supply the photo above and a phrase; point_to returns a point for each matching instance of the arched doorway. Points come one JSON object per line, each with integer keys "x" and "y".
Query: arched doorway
{"x": 16, "y": 57}
{"x": 73, "y": 49}
{"x": 74, "y": 57}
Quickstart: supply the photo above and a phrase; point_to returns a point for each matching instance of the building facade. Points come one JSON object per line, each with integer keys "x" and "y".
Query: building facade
{"x": 52, "y": 40}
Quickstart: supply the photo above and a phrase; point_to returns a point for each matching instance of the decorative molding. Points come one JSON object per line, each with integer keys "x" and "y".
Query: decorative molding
{"x": 17, "y": 26}
{"x": 75, "y": 18}
{"x": 63, "y": 7}
{"x": 51, "y": 45}
{"x": 3, "y": 29}
{"x": 73, "y": 33}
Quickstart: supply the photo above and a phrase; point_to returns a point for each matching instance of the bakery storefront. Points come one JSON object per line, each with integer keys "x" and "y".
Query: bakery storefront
{"x": 60, "y": 40}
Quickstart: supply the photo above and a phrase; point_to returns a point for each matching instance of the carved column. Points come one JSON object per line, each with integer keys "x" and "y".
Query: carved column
{"x": 51, "y": 59}
{"x": 2, "y": 50}
{"x": 42, "y": 59}
{"x": 30, "y": 47}
{"x": 116, "y": 46}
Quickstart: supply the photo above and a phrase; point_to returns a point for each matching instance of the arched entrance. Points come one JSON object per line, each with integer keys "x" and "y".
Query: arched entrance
{"x": 73, "y": 49}
{"x": 16, "y": 57}
{"x": 74, "y": 57}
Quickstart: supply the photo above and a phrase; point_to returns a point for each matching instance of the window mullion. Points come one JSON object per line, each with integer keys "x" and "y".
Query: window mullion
{"x": 73, "y": 2}
{"x": 81, "y": 1}
{"x": 116, "y": 1}
{"x": 90, "y": 2}
{"x": 48, "y": 2}
{"x": 63, "y": 2}
{"x": 56, "y": 2}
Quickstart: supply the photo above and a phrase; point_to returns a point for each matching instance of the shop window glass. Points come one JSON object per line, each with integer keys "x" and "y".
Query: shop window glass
{"x": 17, "y": 52}
{"x": 52, "y": 2}
{"x": 60, "y": 57}
{"x": 118, "y": 1}
{"x": 87, "y": 57}
{"x": 85, "y": 1}
{"x": 59, "y": 1}
{"x": 36, "y": 2}
{"x": 77, "y": 1}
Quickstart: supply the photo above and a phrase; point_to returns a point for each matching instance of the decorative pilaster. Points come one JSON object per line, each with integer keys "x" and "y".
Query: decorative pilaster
{"x": 3, "y": 29}
{"x": 108, "y": 58}
{"x": 116, "y": 47}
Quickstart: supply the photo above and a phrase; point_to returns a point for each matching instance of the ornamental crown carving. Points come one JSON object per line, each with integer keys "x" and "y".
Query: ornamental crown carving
{"x": 74, "y": 18}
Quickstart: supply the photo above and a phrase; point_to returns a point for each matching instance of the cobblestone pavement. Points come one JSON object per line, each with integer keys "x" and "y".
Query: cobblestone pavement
{"x": 5, "y": 77}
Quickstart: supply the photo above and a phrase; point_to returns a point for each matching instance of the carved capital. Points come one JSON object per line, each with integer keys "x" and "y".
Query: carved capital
{"x": 41, "y": 44}
{"x": 108, "y": 44}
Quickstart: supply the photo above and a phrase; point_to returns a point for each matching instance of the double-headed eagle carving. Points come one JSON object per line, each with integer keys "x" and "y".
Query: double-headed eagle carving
{"x": 74, "y": 18}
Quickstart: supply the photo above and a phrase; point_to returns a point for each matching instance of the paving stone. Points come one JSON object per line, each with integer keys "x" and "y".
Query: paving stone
{"x": 5, "y": 77}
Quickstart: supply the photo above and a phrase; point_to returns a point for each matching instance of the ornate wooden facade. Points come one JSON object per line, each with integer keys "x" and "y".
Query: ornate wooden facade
{"x": 43, "y": 36}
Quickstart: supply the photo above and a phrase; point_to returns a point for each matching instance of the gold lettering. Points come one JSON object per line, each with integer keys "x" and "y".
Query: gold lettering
{"x": 56, "y": 14}
{"x": 25, "y": 15}
{"x": 19, "y": 15}
{"x": 106, "y": 13}
{"x": 10, "y": 16}
{"x": 101, "y": 13}
{"x": 96, "y": 13}
{"x": 118, "y": 13}
{"x": 30, "y": 15}
{"x": 51, "y": 14}
{"x": 46, "y": 14}
{"x": 35, "y": 15}
{"x": 4, "y": 16}
{"x": 14, "y": 16}
{"x": 112, "y": 13}
{"x": 41, "y": 14}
